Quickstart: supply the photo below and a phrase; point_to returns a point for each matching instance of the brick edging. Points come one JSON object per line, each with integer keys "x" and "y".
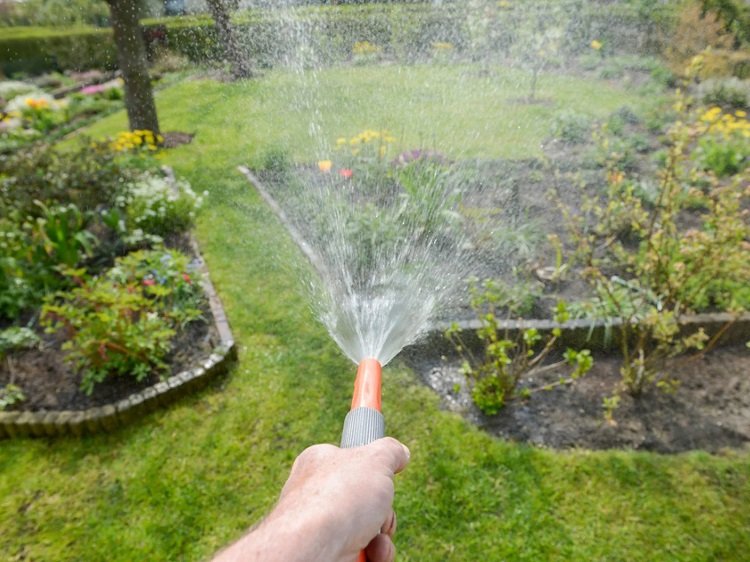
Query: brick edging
{"x": 120, "y": 413}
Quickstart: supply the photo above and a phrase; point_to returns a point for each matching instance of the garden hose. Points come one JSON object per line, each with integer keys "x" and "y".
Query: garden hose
{"x": 365, "y": 423}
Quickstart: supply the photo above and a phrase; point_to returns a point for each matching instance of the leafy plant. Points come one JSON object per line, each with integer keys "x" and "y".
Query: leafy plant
{"x": 647, "y": 268}
{"x": 15, "y": 338}
{"x": 121, "y": 323}
{"x": 496, "y": 374}
{"x": 158, "y": 206}
{"x": 572, "y": 127}
{"x": 10, "y": 394}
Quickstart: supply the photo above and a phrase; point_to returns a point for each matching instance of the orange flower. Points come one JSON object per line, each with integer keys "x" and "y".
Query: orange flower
{"x": 325, "y": 165}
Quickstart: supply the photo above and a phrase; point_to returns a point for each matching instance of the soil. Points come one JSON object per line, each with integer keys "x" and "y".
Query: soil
{"x": 173, "y": 139}
{"x": 710, "y": 410}
{"x": 49, "y": 384}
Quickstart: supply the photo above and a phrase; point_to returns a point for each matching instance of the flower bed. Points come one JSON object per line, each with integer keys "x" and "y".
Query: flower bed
{"x": 102, "y": 290}
{"x": 637, "y": 247}
{"x": 54, "y": 105}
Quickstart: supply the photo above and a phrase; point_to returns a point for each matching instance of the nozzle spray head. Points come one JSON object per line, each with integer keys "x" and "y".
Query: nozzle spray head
{"x": 367, "y": 385}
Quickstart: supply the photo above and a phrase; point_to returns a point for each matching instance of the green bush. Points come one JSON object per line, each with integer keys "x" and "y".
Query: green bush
{"x": 37, "y": 50}
{"x": 572, "y": 127}
{"x": 122, "y": 322}
{"x": 407, "y": 31}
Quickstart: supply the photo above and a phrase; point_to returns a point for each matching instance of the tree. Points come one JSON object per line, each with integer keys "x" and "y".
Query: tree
{"x": 220, "y": 10}
{"x": 131, "y": 57}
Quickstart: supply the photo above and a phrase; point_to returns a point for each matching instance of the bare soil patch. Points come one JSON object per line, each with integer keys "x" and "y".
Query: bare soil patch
{"x": 710, "y": 410}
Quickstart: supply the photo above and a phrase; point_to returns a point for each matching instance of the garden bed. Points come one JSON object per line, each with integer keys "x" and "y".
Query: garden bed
{"x": 710, "y": 410}
{"x": 55, "y": 403}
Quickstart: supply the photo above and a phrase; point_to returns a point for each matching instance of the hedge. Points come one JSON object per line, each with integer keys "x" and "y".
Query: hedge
{"x": 406, "y": 31}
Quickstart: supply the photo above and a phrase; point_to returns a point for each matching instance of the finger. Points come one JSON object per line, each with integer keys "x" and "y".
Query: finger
{"x": 390, "y": 452}
{"x": 389, "y": 527}
{"x": 381, "y": 549}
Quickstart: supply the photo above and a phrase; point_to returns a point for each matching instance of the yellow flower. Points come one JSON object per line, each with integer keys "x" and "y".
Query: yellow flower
{"x": 596, "y": 45}
{"x": 325, "y": 165}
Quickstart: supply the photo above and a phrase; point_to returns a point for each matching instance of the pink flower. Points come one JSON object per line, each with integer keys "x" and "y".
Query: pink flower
{"x": 149, "y": 282}
{"x": 346, "y": 173}
{"x": 93, "y": 89}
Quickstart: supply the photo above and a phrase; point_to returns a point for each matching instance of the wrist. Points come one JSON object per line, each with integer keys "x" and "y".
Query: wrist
{"x": 289, "y": 534}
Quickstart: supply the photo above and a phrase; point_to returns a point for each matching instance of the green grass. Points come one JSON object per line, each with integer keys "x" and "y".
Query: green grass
{"x": 184, "y": 481}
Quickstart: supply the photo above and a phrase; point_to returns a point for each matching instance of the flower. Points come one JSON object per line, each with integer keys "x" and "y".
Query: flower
{"x": 596, "y": 45}
{"x": 93, "y": 89}
{"x": 346, "y": 173}
{"x": 186, "y": 278}
{"x": 325, "y": 165}
{"x": 149, "y": 282}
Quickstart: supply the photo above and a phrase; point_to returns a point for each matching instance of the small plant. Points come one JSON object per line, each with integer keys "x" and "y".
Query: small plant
{"x": 121, "y": 323}
{"x": 10, "y": 394}
{"x": 572, "y": 127}
{"x": 158, "y": 206}
{"x": 495, "y": 376}
{"x": 137, "y": 140}
{"x": 16, "y": 338}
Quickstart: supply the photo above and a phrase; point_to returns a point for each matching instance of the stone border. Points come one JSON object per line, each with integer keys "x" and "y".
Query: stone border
{"x": 110, "y": 417}
{"x": 597, "y": 335}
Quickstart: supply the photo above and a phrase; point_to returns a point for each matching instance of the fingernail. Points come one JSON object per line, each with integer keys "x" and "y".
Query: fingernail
{"x": 407, "y": 451}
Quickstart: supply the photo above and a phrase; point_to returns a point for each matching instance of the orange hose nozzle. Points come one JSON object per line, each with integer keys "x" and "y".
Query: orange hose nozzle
{"x": 367, "y": 385}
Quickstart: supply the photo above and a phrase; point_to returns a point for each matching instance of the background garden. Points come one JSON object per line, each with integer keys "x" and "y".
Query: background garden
{"x": 594, "y": 153}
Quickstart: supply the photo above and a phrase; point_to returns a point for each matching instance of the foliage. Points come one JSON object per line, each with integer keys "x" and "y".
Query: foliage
{"x": 121, "y": 323}
{"x": 15, "y": 338}
{"x": 696, "y": 31}
{"x": 728, "y": 93}
{"x": 159, "y": 206}
{"x": 506, "y": 359}
{"x": 647, "y": 267}
{"x": 10, "y": 394}
{"x": 572, "y": 127}
{"x": 89, "y": 176}
{"x": 138, "y": 140}
{"x": 724, "y": 146}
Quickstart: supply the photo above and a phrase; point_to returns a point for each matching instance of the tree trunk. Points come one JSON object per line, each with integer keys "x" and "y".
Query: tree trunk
{"x": 241, "y": 67}
{"x": 131, "y": 57}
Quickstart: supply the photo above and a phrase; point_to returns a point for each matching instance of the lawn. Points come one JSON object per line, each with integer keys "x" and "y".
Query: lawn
{"x": 186, "y": 480}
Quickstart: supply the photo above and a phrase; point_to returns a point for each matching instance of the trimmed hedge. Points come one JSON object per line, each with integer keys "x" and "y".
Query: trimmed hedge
{"x": 406, "y": 31}
{"x": 33, "y": 50}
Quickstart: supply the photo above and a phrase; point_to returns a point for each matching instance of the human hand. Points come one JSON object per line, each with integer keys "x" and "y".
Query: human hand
{"x": 335, "y": 503}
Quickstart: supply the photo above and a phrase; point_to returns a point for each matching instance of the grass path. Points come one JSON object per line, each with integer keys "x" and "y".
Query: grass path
{"x": 184, "y": 481}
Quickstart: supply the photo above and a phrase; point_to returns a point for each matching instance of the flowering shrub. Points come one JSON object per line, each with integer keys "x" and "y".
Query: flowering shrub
{"x": 38, "y": 111}
{"x": 159, "y": 207}
{"x": 725, "y": 145}
{"x": 136, "y": 140}
{"x": 121, "y": 322}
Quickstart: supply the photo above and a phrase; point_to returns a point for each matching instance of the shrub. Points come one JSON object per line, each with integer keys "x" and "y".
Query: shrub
{"x": 121, "y": 323}
{"x": 160, "y": 207}
{"x": 572, "y": 127}
{"x": 661, "y": 268}
{"x": 495, "y": 375}
{"x": 728, "y": 93}
{"x": 90, "y": 177}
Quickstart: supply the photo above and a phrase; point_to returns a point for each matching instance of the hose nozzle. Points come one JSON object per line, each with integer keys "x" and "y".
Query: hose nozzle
{"x": 367, "y": 385}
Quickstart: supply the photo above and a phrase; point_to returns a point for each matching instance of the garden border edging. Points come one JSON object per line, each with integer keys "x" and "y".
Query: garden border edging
{"x": 118, "y": 414}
